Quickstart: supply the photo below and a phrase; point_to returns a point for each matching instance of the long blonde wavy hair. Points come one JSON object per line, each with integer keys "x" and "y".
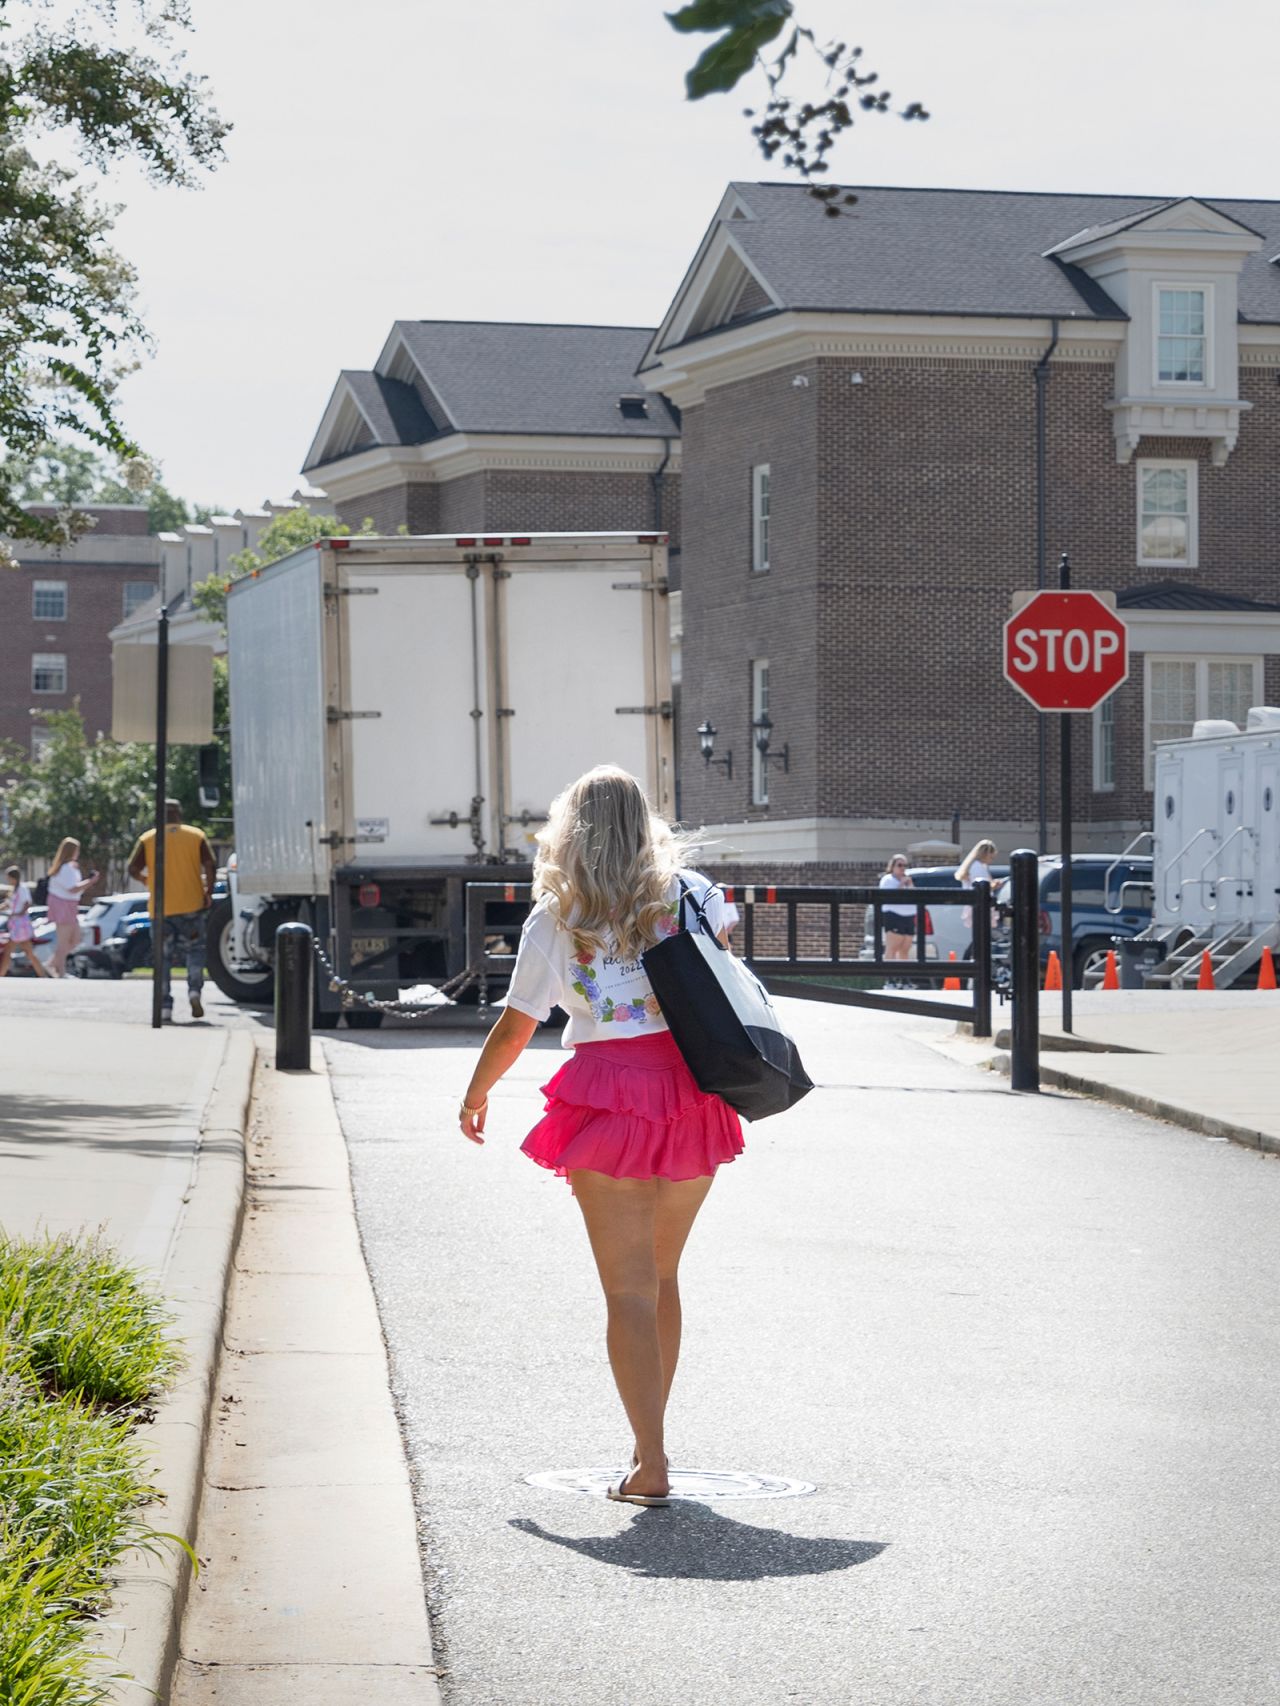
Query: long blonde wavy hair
{"x": 68, "y": 849}
{"x": 608, "y": 861}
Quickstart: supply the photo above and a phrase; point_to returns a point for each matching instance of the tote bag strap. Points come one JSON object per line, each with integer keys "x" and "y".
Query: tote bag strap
{"x": 704, "y": 923}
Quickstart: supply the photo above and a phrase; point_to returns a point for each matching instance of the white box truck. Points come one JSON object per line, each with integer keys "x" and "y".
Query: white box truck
{"x": 1216, "y": 817}
{"x": 403, "y": 711}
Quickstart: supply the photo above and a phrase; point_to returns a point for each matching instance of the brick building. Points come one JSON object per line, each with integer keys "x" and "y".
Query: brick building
{"x": 895, "y": 419}
{"x": 469, "y": 426}
{"x": 57, "y": 610}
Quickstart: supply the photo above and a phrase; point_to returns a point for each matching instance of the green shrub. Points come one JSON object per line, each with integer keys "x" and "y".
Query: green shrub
{"x": 82, "y": 1346}
{"x": 89, "y": 1326}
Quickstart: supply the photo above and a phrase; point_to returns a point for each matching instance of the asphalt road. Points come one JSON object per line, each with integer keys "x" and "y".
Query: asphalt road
{"x": 1027, "y": 1349}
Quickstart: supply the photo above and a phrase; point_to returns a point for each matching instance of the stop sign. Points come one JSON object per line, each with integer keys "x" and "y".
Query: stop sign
{"x": 1066, "y": 651}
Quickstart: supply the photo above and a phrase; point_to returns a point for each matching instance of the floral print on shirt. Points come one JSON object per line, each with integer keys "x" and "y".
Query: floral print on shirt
{"x": 604, "y": 1010}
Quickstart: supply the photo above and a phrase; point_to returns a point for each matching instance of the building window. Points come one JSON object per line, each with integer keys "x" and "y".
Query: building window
{"x": 48, "y": 672}
{"x": 41, "y": 739}
{"x": 49, "y": 601}
{"x": 1181, "y": 691}
{"x": 759, "y": 708}
{"x": 1168, "y": 514}
{"x": 760, "y": 518}
{"x": 1182, "y": 338}
{"x": 1104, "y": 746}
{"x": 136, "y": 594}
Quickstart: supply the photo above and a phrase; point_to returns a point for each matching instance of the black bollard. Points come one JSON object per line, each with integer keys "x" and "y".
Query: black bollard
{"x": 1024, "y": 1070}
{"x": 293, "y": 997}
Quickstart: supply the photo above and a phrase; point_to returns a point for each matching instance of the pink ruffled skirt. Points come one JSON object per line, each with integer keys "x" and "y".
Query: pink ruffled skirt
{"x": 631, "y": 1109}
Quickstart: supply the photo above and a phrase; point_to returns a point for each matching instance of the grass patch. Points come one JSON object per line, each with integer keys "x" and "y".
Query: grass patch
{"x": 83, "y": 1347}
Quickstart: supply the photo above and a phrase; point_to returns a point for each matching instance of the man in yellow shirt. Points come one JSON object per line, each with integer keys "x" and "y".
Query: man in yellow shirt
{"x": 189, "y": 873}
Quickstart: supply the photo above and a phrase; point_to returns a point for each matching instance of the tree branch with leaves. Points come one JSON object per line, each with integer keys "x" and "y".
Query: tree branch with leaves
{"x": 69, "y": 327}
{"x": 803, "y": 131}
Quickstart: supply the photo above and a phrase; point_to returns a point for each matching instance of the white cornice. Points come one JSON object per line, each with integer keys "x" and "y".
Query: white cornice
{"x": 782, "y": 340}
{"x": 461, "y": 453}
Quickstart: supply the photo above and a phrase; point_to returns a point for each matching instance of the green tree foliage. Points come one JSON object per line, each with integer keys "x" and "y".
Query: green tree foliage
{"x": 803, "y": 131}
{"x": 108, "y": 77}
{"x": 99, "y": 791}
{"x": 287, "y": 532}
{"x": 66, "y": 475}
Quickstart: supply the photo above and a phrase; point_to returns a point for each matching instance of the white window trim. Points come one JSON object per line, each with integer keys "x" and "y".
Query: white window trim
{"x": 1099, "y": 786}
{"x": 759, "y": 702}
{"x": 35, "y": 660}
{"x": 45, "y": 586}
{"x": 1202, "y": 660}
{"x": 761, "y": 495}
{"x": 1192, "y": 469}
{"x": 1182, "y": 387}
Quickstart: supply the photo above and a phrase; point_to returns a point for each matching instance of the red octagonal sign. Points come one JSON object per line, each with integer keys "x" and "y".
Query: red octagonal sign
{"x": 1066, "y": 651}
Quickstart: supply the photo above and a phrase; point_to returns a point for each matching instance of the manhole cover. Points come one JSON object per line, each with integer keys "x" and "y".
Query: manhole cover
{"x": 698, "y": 1486}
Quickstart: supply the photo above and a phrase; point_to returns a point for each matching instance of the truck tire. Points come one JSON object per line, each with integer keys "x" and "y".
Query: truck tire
{"x": 251, "y": 990}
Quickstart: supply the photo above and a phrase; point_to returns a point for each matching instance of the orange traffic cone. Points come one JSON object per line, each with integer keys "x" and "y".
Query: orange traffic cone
{"x": 951, "y": 982}
{"x": 1111, "y": 976}
{"x": 1205, "y": 980}
{"x": 1267, "y": 970}
{"x": 1053, "y": 972}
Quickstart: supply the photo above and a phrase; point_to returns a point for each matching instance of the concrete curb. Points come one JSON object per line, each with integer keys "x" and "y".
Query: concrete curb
{"x": 1191, "y": 1119}
{"x": 141, "y": 1631}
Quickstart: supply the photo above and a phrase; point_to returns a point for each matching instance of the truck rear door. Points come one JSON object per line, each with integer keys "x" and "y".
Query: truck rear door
{"x": 412, "y": 670}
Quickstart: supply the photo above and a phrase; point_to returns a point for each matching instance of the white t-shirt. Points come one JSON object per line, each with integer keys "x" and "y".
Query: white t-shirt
{"x": 65, "y": 881}
{"x": 606, "y": 998}
{"x": 889, "y": 881}
{"x": 978, "y": 873}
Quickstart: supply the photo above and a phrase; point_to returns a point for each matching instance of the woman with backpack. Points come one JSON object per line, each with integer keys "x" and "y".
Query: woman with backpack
{"x": 66, "y": 889}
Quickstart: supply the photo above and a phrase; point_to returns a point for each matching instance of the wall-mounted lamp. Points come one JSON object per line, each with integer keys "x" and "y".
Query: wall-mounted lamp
{"x": 707, "y": 743}
{"x": 763, "y": 726}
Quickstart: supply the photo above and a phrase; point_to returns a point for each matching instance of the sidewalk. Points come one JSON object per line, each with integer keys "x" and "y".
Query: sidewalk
{"x": 141, "y": 1134}
{"x": 1204, "y": 1059}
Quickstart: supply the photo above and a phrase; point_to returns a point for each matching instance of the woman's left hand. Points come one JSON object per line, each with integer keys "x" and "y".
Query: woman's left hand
{"x": 471, "y": 1120}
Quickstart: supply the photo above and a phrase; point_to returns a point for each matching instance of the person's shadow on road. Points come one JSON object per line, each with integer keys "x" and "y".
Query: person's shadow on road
{"x": 693, "y": 1542}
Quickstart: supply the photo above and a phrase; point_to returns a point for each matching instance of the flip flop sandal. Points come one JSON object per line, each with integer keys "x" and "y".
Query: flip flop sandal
{"x": 620, "y": 1495}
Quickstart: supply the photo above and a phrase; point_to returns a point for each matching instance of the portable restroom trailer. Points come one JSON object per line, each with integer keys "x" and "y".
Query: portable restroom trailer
{"x": 1216, "y": 809}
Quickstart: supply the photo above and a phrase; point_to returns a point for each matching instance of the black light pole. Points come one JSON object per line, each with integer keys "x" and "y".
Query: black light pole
{"x": 157, "y": 858}
{"x": 1067, "y": 723}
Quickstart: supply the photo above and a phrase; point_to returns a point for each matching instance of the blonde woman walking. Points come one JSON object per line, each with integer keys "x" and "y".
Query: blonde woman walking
{"x": 975, "y": 867}
{"x": 625, "y": 1123}
{"x": 66, "y": 890}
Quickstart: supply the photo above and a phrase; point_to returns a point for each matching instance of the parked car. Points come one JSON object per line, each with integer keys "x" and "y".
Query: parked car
{"x": 1110, "y": 897}
{"x": 97, "y": 926}
{"x": 130, "y": 948}
{"x": 948, "y": 929}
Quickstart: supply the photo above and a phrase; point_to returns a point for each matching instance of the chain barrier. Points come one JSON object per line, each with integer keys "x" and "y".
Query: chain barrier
{"x": 406, "y": 1009}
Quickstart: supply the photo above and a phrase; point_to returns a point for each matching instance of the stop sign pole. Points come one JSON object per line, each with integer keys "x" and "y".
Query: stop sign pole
{"x": 1066, "y": 654}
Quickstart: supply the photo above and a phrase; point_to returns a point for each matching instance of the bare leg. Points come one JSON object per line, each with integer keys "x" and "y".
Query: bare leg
{"x": 35, "y": 962}
{"x": 678, "y": 1205}
{"x": 634, "y": 1226}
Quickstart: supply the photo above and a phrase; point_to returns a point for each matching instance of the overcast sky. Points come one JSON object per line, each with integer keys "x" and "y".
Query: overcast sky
{"x": 536, "y": 160}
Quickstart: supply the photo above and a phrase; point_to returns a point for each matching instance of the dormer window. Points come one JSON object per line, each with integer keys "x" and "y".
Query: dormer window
{"x": 1182, "y": 337}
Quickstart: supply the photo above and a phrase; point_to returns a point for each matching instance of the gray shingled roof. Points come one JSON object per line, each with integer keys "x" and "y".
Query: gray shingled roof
{"x": 393, "y": 409}
{"x": 908, "y": 251}
{"x": 494, "y": 377}
{"x": 1178, "y": 595}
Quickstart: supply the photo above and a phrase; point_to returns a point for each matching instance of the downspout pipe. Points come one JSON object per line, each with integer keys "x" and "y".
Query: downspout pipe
{"x": 655, "y": 480}
{"x": 1042, "y": 379}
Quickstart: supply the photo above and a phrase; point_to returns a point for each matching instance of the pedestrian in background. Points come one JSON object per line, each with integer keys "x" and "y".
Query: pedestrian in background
{"x": 22, "y": 934}
{"x": 66, "y": 888}
{"x": 898, "y": 923}
{"x": 189, "y": 873}
{"x": 625, "y": 1122}
{"x": 975, "y": 867}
